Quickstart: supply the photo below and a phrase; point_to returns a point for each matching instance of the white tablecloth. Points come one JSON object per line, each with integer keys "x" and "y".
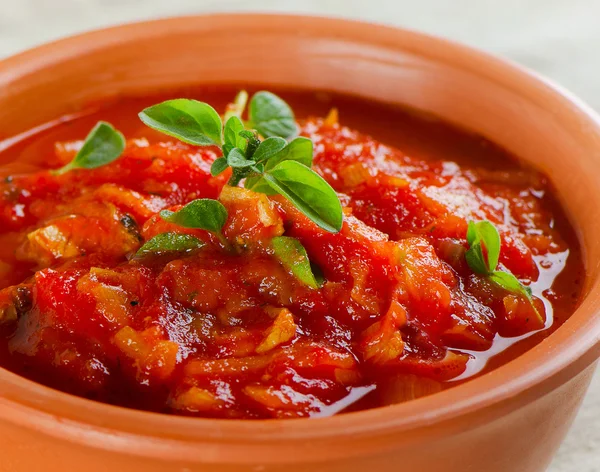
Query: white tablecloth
{"x": 558, "y": 38}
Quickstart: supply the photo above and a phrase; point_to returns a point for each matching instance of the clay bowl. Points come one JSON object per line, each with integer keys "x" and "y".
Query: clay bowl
{"x": 511, "y": 419}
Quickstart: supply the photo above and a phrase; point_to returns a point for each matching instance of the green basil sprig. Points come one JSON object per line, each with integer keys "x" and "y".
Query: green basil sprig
{"x": 479, "y": 235}
{"x": 293, "y": 257}
{"x": 168, "y": 243}
{"x": 203, "y": 213}
{"x": 103, "y": 145}
{"x": 270, "y": 166}
{"x": 484, "y": 234}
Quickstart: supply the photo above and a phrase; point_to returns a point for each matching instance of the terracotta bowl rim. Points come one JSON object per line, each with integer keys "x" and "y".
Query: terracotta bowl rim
{"x": 54, "y": 412}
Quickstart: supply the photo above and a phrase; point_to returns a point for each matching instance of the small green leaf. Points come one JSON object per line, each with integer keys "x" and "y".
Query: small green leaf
{"x": 475, "y": 259}
{"x": 247, "y": 134}
{"x": 510, "y": 283}
{"x": 268, "y": 148}
{"x": 491, "y": 240}
{"x": 218, "y": 166}
{"x": 203, "y": 213}
{"x": 308, "y": 192}
{"x": 103, "y": 145}
{"x": 237, "y": 159}
{"x": 168, "y": 243}
{"x": 479, "y": 235}
{"x": 226, "y": 149}
{"x": 190, "y": 121}
{"x": 271, "y": 116}
{"x": 293, "y": 257}
{"x": 231, "y": 134}
{"x": 299, "y": 150}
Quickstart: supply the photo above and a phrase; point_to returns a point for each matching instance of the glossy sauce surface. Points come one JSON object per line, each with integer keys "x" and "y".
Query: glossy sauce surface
{"x": 217, "y": 334}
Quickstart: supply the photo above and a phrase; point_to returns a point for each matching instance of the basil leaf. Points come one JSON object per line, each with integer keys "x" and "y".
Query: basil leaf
{"x": 269, "y": 148}
{"x": 294, "y": 258}
{"x": 247, "y": 134}
{"x": 483, "y": 232}
{"x": 203, "y": 213}
{"x": 257, "y": 183}
{"x": 169, "y": 242}
{"x": 231, "y": 134}
{"x": 271, "y": 116}
{"x": 103, "y": 145}
{"x": 259, "y": 168}
{"x": 475, "y": 259}
{"x": 226, "y": 149}
{"x": 190, "y": 121}
{"x": 218, "y": 166}
{"x": 308, "y": 192}
{"x": 299, "y": 150}
{"x": 236, "y": 158}
{"x": 509, "y": 282}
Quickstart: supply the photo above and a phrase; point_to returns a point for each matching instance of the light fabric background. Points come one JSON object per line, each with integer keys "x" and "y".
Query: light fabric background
{"x": 558, "y": 38}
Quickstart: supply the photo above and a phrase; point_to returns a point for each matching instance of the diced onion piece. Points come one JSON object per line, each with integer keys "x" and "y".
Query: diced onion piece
{"x": 112, "y": 301}
{"x": 162, "y": 359}
{"x": 46, "y": 244}
{"x": 521, "y": 316}
{"x": 131, "y": 343}
{"x": 283, "y": 401}
{"x": 382, "y": 341}
{"x": 355, "y": 174}
{"x": 281, "y": 331}
{"x": 197, "y": 400}
{"x": 252, "y": 216}
{"x": 361, "y": 292}
{"x": 152, "y": 356}
{"x": 129, "y": 200}
{"x": 347, "y": 376}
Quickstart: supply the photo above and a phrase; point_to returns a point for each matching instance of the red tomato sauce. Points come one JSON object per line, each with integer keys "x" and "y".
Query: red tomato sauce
{"x": 233, "y": 334}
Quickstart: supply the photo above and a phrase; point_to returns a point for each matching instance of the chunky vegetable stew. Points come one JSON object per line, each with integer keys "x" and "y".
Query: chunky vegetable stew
{"x": 243, "y": 261}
